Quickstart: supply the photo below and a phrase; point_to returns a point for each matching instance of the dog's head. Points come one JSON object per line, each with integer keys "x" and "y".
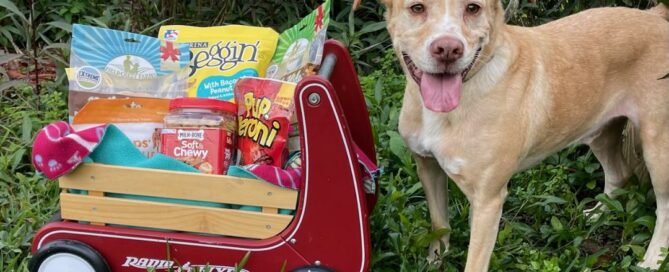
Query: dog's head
{"x": 440, "y": 41}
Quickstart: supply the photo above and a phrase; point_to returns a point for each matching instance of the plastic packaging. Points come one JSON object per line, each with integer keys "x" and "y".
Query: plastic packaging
{"x": 221, "y": 55}
{"x": 265, "y": 108}
{"x": 106, "y": 62}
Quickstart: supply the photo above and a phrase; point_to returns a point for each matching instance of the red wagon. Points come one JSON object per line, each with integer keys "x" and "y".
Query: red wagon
{"x": 328, "y": 230}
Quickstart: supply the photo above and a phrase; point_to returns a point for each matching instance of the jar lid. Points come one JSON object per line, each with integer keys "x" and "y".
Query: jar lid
{"x": 203, "y": 103}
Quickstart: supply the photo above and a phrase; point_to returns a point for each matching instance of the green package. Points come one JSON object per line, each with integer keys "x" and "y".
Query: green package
{"x": 300, "y": 48}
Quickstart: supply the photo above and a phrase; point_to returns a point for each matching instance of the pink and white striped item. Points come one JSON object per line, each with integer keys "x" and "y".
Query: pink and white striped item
{"x": 58, "y": 148}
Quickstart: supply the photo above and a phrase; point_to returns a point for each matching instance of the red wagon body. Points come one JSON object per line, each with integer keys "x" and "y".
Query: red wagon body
{"x": 330, "y": 226}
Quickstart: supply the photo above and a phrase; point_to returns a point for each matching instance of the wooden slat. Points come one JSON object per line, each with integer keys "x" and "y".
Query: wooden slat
{"x": 180, "y": 185}
{"x": 100, "y": 194}
{"x": 172, "y": 216}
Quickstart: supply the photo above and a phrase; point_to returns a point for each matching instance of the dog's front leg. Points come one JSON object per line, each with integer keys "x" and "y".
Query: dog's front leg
{"x": 486, "y": 197}
{"x": 435, "y": 185}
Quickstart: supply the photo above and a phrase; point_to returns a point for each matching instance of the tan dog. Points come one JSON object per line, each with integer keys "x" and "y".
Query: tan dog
{"x": 485, "y": 100}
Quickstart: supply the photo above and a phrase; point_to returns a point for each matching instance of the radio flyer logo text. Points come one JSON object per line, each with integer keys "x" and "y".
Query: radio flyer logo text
{"x": 159, "y": 264}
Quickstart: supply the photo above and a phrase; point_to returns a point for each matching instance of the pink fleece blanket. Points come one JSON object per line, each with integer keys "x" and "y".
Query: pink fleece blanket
{"x": 58, "y": 149}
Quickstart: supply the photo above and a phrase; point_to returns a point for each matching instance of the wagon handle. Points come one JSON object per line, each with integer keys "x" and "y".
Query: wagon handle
{"x": 328, "y": 66}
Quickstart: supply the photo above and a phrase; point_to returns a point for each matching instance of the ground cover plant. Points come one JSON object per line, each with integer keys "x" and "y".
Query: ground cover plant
{"x": 542, "y": 229}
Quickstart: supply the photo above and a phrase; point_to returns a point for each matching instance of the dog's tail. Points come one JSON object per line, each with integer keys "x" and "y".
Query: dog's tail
{"x": 661, "y": 10}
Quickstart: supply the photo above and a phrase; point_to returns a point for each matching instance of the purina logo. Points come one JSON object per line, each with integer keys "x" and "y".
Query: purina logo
{"x": 190, "y": 135}
{"x": 165, "y": 265}
{"x": 88, "y": 77}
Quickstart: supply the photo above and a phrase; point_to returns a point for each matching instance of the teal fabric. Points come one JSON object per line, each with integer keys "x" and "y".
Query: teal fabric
{"x": 116, "y": 149}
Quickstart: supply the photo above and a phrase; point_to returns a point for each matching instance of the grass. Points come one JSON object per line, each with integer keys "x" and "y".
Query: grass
{"x": 26, "y": 199}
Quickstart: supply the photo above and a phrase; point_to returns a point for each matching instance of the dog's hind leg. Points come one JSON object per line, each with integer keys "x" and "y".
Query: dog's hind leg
{"x": 435, "y": 184}
{"x": 607, "y": 147}
{"x": 654, "y": 132}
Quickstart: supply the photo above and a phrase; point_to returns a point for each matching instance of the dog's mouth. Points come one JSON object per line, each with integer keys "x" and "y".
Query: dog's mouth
{"x": 440, "y": 91}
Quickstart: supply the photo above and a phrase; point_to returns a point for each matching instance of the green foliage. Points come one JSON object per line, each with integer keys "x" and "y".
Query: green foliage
{"x": 27, "y": 200}
{"x": 543, "y": 227}
{"x": 532, "y": 12}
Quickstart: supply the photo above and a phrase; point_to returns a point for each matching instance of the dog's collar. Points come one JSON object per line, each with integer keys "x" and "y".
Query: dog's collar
{"x": 472, "y": 64}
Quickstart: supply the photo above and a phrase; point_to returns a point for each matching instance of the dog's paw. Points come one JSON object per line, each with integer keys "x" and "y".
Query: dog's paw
{"x": 650, "y": 264}
{"x": 438, "y": 248}
{"x": 652, "y": 259}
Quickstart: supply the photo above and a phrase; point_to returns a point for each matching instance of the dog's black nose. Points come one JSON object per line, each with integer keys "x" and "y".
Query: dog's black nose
{"x": 447, "y": 49}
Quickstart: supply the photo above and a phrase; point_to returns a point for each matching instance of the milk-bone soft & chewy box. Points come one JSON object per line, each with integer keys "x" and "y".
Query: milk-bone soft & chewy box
{"x": 201, "y": 132}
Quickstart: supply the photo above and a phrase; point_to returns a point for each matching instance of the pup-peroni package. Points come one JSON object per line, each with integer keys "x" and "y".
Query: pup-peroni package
{"x": 221, "y": 55}
{"x": 107, "y": 63}
{"x": 264, "y": 107}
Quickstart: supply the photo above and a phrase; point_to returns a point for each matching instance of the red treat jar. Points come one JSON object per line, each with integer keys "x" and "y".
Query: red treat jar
{"x": 201, "y": 132}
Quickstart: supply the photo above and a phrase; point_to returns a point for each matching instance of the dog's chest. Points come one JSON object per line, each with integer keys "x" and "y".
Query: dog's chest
{"x": 426, "y": 138}
{"x": 435, "y": 137}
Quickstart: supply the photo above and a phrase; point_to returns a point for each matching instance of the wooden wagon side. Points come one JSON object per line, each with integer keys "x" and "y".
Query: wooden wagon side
{"x": 98, "y": 207}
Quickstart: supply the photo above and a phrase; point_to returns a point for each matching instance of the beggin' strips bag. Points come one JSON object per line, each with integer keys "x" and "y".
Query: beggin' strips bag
{"x": 221, "y": 55}
{"x": 265, "y": 107}
{"x": 300, "y": 48}
{"x": 106, "y": 63}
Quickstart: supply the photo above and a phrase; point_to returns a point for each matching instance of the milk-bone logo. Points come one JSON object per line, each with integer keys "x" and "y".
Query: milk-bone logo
{"x": 190, "y": 134}
{"x": 251, "y": 125}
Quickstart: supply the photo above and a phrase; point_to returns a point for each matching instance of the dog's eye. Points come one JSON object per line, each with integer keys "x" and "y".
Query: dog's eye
{"x": 473, "y": 9}
{"x": 417, "y": 8}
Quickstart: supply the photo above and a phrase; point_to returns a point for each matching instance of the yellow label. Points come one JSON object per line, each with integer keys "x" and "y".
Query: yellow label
{"x": 220, "y": 55}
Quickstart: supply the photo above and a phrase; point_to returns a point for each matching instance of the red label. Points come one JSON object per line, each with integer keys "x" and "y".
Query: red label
{"x": 264, "y": 111}
{"x": 207, "y": 149}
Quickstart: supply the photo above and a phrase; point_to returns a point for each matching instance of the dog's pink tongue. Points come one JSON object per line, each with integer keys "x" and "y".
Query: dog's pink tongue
{"x": 441, "y": 92}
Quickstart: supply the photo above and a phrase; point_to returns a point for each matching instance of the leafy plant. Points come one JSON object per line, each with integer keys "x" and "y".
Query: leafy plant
{"x": 26, "y": 199}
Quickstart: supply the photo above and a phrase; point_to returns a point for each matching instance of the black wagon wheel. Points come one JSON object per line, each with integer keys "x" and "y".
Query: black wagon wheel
{"x": 67, "y": 255}
{"x": 312, "y": 268}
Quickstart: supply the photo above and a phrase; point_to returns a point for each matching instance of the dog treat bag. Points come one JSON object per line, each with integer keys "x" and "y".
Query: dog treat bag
{"x": 137, "y": 118}
{"x": 265, "y": 107}
{"x": 300, "y": 48}
{"x": 220, "y": 55}
{"x": 106, "y": 62}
